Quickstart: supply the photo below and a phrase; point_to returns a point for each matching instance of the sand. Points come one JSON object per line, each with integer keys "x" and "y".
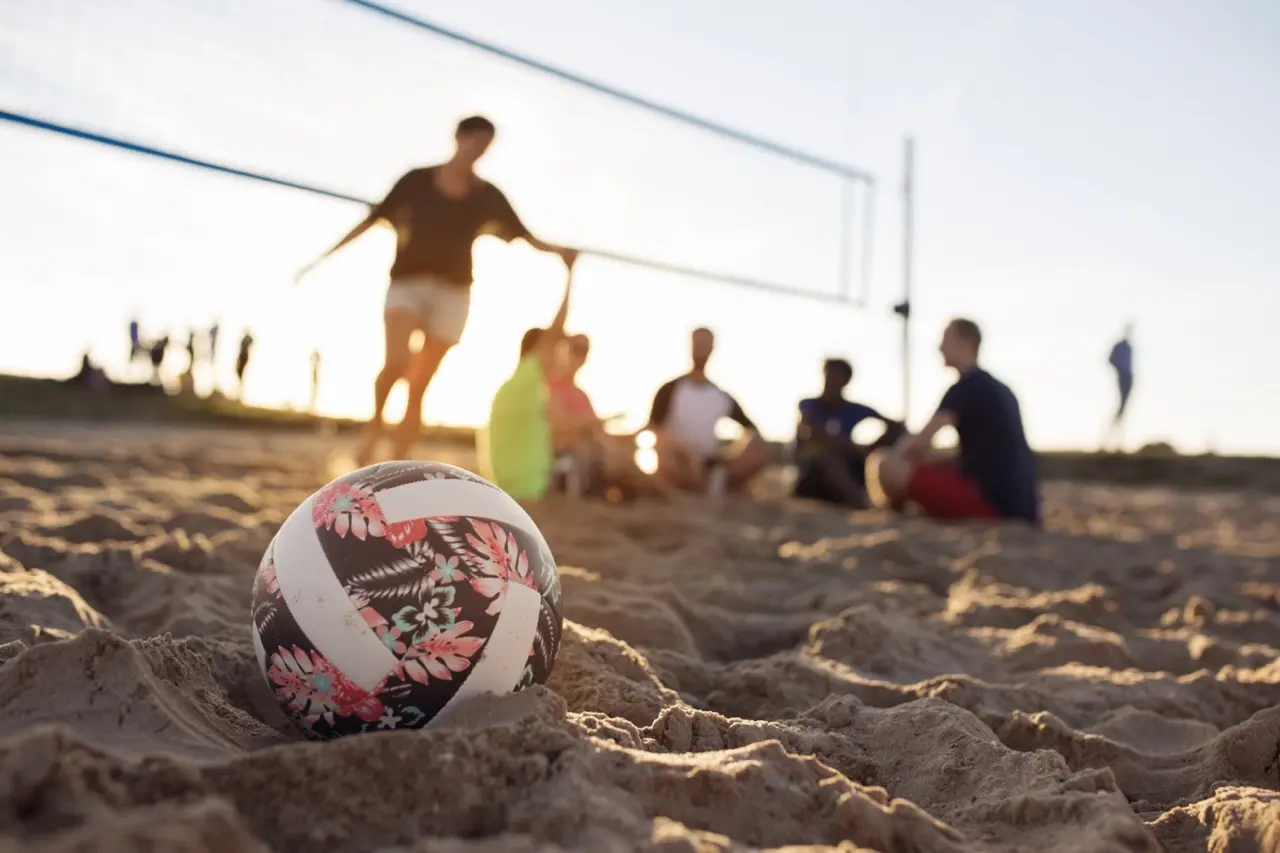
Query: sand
{"x": 766, "y": 675}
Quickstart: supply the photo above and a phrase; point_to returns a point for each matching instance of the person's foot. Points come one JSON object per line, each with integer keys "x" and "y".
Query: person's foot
{"x": 366, "y": 450}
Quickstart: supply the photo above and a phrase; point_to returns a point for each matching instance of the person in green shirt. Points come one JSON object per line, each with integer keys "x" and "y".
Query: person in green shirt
{"x": 518, "y": 452}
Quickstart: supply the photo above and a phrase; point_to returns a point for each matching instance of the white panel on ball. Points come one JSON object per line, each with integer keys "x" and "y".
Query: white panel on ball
{"x": 321, "y": 607}
{"x": 433, "y": 498}
{"x": 503, "y": 657}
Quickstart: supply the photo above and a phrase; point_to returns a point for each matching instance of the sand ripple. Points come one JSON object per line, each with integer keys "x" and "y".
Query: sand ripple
{"x": 766, "y": 676}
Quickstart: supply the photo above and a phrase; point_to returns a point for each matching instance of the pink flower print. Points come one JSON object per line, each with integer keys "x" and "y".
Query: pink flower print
{"x": 447, "y": 570}
{"x": 402, "y": 534}
{"x": 269, "y": 578}
{"x": 440, "y": 654}
{"x": 314, "y": 689}
{"x": 388, "y": 633}
{"x": 498, "y": 561}
{"x": 343, "y": 507}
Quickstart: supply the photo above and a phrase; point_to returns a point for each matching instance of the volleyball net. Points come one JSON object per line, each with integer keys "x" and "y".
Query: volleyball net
{"x": 178, "y": 161}
{"x": 334, "y": 98}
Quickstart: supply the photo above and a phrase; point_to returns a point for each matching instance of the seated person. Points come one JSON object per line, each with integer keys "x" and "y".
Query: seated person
{"x": 830, "y": 467}
{"x": 517, "y": 452}
{"x": 995, "y": 475}
{"x": 683, "y": 419}
{"x": 582, "y": 447}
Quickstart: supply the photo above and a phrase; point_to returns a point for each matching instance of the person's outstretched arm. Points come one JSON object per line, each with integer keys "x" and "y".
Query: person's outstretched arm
{"x": 382, "y": 210}
{"x": 506, "y": 225}
{"x": 361, "y": 227}
{"x": 550, "y": 339}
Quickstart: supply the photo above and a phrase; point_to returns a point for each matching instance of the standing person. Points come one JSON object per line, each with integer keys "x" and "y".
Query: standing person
{"x": 437, "y": 212}
{"x": 517, "y": 445}
{"x": 242, "y": 361}
{"x": 683, "y": 418}
{"x": 315, "y": 379}
{"x": 188, "y": 378}
{"x": 830, "y": 467}
{"x": 157, "y": 351}
{"x": 1121, "y": 360}
{"x": 996, "y": 476}
{"x": 136, "y": 347}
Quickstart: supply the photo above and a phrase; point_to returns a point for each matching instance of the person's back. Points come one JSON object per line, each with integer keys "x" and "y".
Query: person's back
{"x": 1122, "y": 357}
{"x": 519, "y": 434}
{"x": 516, "y": 447}
{"x": 993, "y": 444}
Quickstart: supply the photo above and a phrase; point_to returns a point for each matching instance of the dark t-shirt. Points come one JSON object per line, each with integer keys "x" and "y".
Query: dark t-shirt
{"x": 434, "y": 233}
{"x": 993, "y": 447}
{"x": 840, "y": 420}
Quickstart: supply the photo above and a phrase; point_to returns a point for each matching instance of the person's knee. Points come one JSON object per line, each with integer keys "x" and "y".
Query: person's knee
{"x": 891, "y": 471}
{"x": 395, "y": 367}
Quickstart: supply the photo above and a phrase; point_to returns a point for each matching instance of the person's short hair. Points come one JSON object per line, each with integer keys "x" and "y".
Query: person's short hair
{"x": 530, "y": 340}
{"x": 475, "y": 124}
{"x": 968, "y": 330}
{"x": 839, "y": 364}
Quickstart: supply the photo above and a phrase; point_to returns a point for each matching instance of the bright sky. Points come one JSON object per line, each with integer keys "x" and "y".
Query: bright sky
{"x": 1079, "y": 164}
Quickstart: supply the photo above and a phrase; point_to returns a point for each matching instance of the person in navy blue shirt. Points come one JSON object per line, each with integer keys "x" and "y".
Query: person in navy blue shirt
{"x": 995, "y": 475}
{"x": 831, "y": 467}
{"x": 1121, "y": 360}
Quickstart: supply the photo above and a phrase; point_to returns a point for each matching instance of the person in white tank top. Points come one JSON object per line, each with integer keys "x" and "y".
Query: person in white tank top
{"x": 684, "y": 417}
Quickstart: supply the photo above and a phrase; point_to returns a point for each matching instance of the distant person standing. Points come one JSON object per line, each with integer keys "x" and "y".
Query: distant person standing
{"x": 188, "y": 378}
{"x": 1121, "y": 360}
{"x": 135, "y": 341}
{"x": 437, "y": 212}
{"x": 315, "y": 379}
{"x": 157, "y": 352}
{"x": 242, "y": 361}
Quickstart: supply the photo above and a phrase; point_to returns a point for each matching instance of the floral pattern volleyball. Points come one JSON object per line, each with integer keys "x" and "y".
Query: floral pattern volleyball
{"x": 375, "y": 606}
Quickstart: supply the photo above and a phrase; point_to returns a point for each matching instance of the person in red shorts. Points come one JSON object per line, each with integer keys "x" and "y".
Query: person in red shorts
{"x": 995, "y": 473}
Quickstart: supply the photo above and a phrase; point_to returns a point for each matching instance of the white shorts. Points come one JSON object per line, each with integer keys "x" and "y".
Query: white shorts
{"x": 441, "y": 307}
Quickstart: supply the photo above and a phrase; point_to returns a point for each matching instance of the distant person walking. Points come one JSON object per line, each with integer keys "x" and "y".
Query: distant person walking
{"x": 242, "y": 361}
{"x": 437, "y": 212}
{"x": 1121, "y": 360}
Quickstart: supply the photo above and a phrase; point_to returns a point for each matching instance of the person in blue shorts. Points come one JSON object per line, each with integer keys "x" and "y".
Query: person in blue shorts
{"x": 830, "y": 465}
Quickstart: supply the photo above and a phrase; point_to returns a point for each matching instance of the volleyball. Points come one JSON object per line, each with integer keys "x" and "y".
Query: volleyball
{"x": 397, "y": 592}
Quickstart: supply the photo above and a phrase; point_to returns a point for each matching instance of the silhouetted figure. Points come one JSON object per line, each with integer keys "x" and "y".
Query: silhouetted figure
{"x": 213, "y": 344}
{"x": 830, "y": 466}
{"x": 315, "y": 379}
{"x": 90, "y": 375}
{"x": 437, "y": 212}
{"x": 136, "y": 348}
{"x": 158, "y": 350}
{"x": 1121, "y": 360}
{"x": 242, "y": 361}
{"x": 188, "y": 378}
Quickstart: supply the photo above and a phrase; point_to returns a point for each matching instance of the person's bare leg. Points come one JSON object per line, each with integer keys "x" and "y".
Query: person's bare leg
{"x": 888, "y": 475}
{"x": 399, "y": 326}
{"x": 618, "y": 456}
{"x": 834, "y": 466}
{"x": 421, "y": 371}
{"x": 748, "y": 462}
{"x": 678, "y": 468}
